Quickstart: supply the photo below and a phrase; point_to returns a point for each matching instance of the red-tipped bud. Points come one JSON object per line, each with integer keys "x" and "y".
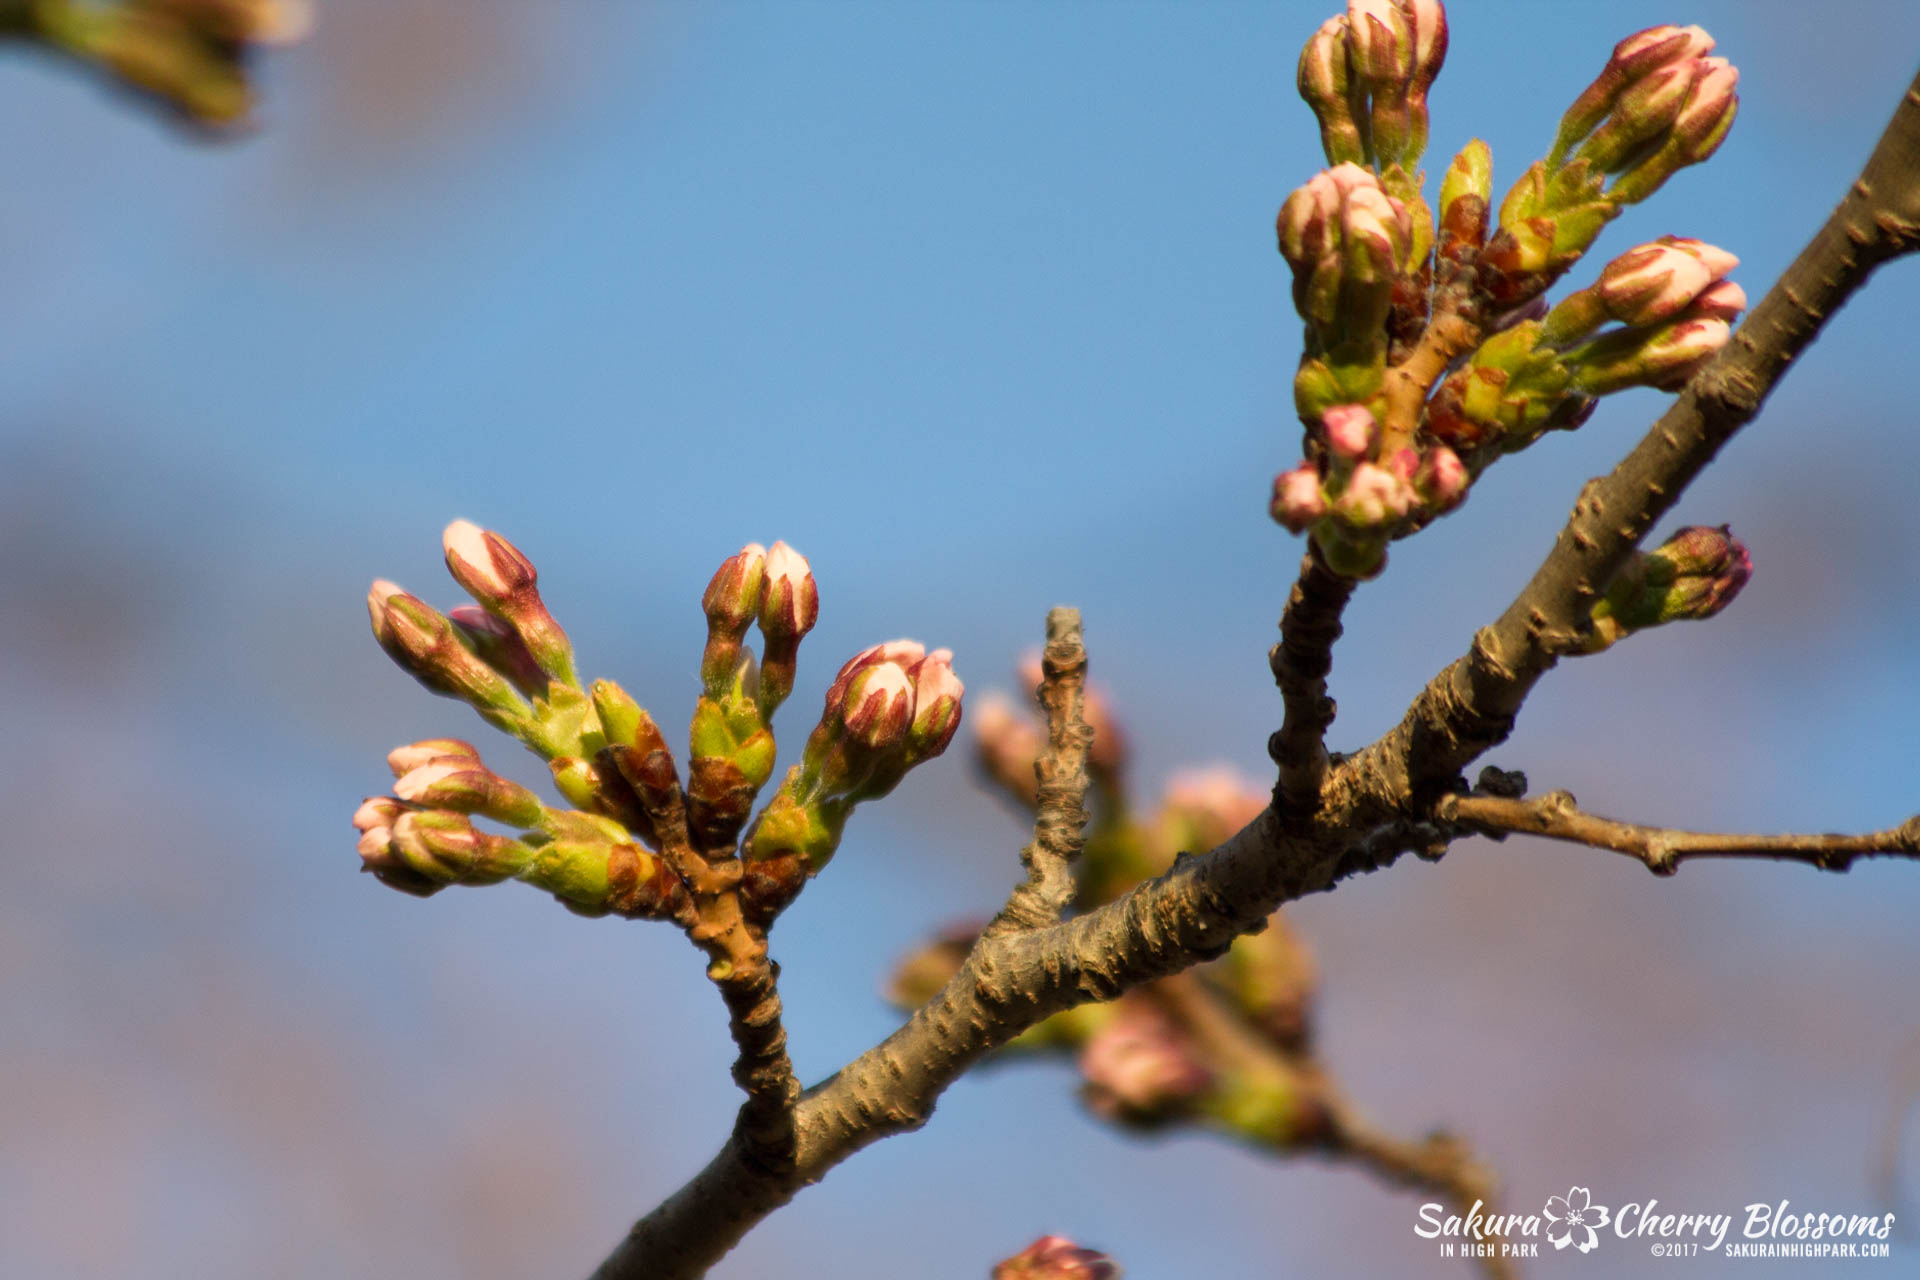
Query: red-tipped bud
{"x": 500, "y": 647}
{"x": 1441, "y": 479}
{"x": 1724, "y": 301}
{"x": 1634, "y": 59}
{"x": 415, "y": 754}
{"x": 424, "y": 643}
{"x": 1380, "y": 40}
{"x": 1373, "y": 496}
{"x": 936, "y": 704}
{"x": 734, "y": 595}
{"x": 1325, "y": 84}
{"x": 486, "y": 565}
{"x": 1057, "y": 1258}
{"x": 792, "y": 600}
{"x": 878, "y": 706}
{"x": 903, "y": 652}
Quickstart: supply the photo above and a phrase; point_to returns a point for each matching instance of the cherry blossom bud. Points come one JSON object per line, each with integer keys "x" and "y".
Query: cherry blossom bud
{"x": 903, "y": 652}
{"x": 1380, "y": 40}
{"x": 878, "y": 706}
{"x": 1665, "y": 358}
{"x": 464, "y": 786}
{"x": 1373, "y": 495}
{"x": 415, "y": 754}
{"x": 495, "y": 573}
{"x": 1441, "y": 480}
{"x": 1297, "y": 499}
{"x": 500, "y": 647}
{"x": 936, "y": 704}
{"x": 1326, "y": 84}
{"x": 792, "y": 601}
{"x": 1695, "y": 134}
{"x": 1006, "y": 743}
{"x": 1140, "y": 1069}
{"x": 1349, "y": 430}
{"x": 1692, "y": 575}
{"x": 376, "y": 812}
{"x": 1723, "y": 301}
{"x": 1634, "y": 59}
{"x": 423, "y": 642}
{"x": 448, "y": 847}
{"x": 1057, "y": 1258}
{"x": 734, "y": 596}
{"x": 1206, "y": 806}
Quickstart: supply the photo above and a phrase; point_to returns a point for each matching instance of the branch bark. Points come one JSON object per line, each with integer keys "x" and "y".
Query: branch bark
{"x": 1059, "y": 825}
{"x": 1309, "y": 628}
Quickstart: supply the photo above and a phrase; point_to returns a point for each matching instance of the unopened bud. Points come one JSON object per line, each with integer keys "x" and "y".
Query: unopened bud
{"x": 1057, "y": 1258}
{"x": 415, "y": 754}
{"x": 495, "y": 573}
{"x": 1441, "y": 479}
{"x": 1373, "y": 495}
{"x": 464, "y": 786}
{"x": 1634, "y": 59}
{"x": 792, "y": 600}
{"x": 376, "y": 812}
{"x": 733, "y": 597}
{"x": 1692, "y": 575}
{"x": 1349, "y": 430}
{"x": 936, "y": 704}
{"x": 1326, "y": 85}
{"x": 423, "y": 642}
{"x": 878, "y": 706}
{"x": 1140, "y": 1069}
{"x": 1664, "y": 359}
{"x": 1297, "y": 499}
{"x": 448, "y": 847}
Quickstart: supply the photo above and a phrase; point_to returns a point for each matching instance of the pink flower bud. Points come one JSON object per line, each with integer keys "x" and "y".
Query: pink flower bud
{"x": 1209, "y": 805}
{"x": 1703, "y": 121}
{"x": 376, "y": 812}
{"x": 903, "y": 652}
{"x": 495, "y": 642}
{"x": 1324, "y": 82}
{"x": 734, "y": 595}
{"x": 936, "y": 704}
{"x": 878, "y": 705}
{"x": 1651, "y": 283}
{"x": 1634, "y": 59}
{"x": 1139, "y": 1068}
{"x": 1428, "y": 19}
{"x": 1057, "y": 1258}
{"x": 1007, "y": 743}
{"x": 1373, "y": 496}
{"x": 486, "y": 565}
{"x": 415, "y": 754}
{"x": 1381, "y": 43}
{"x": 1692, "y": 575}
{"x": 1297, "y": 500}
{"x": 1723, "y": 301}
{"x": 422, "y": 641}
{"x": 464, "y": 786}
{"x": 1442, "y": 479}
{"x": 792, "y": 602}
{"x": 1678, "y": 353}
{"x": 1350, "y": 431}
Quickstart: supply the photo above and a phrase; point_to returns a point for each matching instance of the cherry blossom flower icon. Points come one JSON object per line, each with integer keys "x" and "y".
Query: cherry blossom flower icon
{"x": 1574, "y": 1217}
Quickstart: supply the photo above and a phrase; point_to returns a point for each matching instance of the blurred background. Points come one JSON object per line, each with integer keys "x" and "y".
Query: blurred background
{"x": 978, "y": 306}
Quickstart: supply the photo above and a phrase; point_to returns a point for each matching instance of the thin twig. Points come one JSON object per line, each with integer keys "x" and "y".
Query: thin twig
{"x": 1309, "y": 627}
{"x": 1556, "y": 816}
{"x": 1059, "y": 826}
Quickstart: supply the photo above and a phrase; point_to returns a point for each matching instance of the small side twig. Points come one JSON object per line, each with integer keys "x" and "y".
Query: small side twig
{"x": 1308, "y": 629}
{"x": 1059, "y": 825}
{"x": 1557, "y": 816}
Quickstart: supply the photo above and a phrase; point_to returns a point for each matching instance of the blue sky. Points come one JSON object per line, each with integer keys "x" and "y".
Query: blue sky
{"x": 977, "y": 305}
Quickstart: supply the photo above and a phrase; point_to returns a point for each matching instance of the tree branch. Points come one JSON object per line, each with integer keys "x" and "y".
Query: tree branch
{"x": 1471, "y": 706}
{"x": 1059, "y": 826}
{"x": 1374, "y": 803}
{"x": 1309, "y": 627}
{"x": 1556, "y": 816}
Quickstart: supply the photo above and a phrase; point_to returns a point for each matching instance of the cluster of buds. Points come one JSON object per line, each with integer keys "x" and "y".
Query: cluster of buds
{"x": 633, "y": 831}
{"x": 1366, "y": 74}
{"x": 1057, "y": 1258}
{"x": 890, "y": 707}
{"x": 423, "y": 838}
{"x": 1659, "y": 105}
{"x": 191, "y": 55}
{"x": 1348, "y": 242}
{"x": 1672, "y": 303}
{"x": 1355, "y": 492}
{"x": 732, "y": 739}
{"x": 1430, "y": 350}
{"x": 1692, "y": 575}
